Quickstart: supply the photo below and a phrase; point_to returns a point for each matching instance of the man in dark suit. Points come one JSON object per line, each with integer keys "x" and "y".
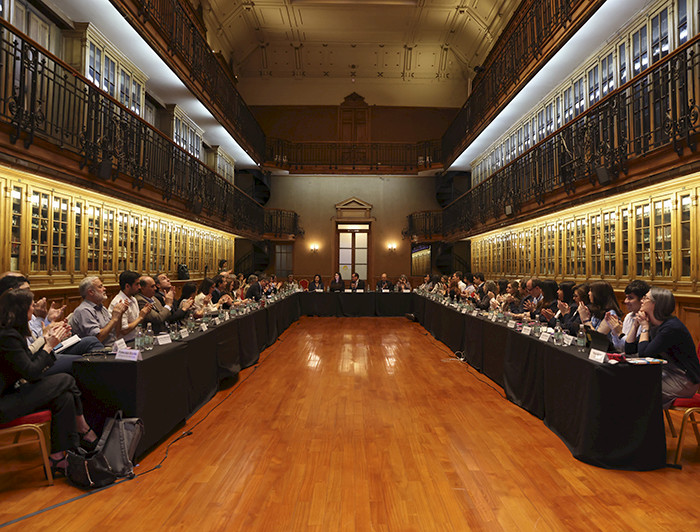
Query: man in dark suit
{"x": 384, "y": 284}
{"x": 160, "y": 314}
{"x": 219, "y": 288}
{"x": 356, "y": 283}
{"x": 254, "y": 289}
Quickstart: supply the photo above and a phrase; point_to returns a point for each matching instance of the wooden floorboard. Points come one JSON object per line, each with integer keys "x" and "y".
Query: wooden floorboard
{"x": 362, "y": 424}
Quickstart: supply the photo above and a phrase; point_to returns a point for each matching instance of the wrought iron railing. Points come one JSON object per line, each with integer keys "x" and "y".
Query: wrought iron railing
{"x": 371, "y": 156}
{"x": 177, "y": 26}
{"x": 40, "y": 96}
{"x": 655, "y": 109}
{"x": 521, "y": 44}
{"x": 424, "y": 224}
{"x": 280, "y": 222}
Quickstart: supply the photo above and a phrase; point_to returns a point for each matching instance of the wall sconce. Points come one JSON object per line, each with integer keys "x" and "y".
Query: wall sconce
{"x": 314, "y": 248}
{"x": 392, "y": 247}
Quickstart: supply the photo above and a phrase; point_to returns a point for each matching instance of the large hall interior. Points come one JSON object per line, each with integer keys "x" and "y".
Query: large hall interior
{"x": 465, "y": 155}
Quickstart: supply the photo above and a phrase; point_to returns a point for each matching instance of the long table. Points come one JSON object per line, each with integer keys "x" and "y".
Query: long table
{"x": 609, "y": 416}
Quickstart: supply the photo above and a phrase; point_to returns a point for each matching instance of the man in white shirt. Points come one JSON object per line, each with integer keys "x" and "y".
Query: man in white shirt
{"x": 132, "y": 317}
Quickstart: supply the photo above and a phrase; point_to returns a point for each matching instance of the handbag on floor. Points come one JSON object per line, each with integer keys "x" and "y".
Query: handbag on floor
{"x": 111, "y": 459}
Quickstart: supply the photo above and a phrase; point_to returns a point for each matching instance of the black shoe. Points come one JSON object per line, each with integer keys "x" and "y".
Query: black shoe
{"x": 89, "y": 446}
{"x": 58, "y": 467}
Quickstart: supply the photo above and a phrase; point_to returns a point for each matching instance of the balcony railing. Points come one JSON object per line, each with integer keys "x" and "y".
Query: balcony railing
{"x": 658, "y": 108}
{"x": 362, "y": 156}
{"x": 424, "y": 224}
{"x": 42, "y": 97}
{"x": 522, "y": 43}
{"x": 282, "y": 223}
{"x": 179, "y": 29}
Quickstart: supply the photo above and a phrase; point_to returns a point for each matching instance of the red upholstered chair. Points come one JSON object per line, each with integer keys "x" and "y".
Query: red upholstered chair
{"x": 304, "y": 284}
{"x": 37, "y": 424}
{"x": 690, "y": 406}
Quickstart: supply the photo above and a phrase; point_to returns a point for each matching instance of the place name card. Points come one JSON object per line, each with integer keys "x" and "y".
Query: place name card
{"x": 464, "y": 310}
{"x": 511, "y": 324}
{"x": 526, "y": 330}
{"x": 163, "y": 339}
{"x": 568, "y": 340}
{"x": 545, "y": 336}
{"x": 184, "y": 333}
{"x": 494, "y": 317}
{"x": 360, "y": 290}
{"x": 216, "y": 321}
{"x": 119, "y": 344}
{"x": 227, "y": 316}
{"x": 132, "y": 355}
{"x": 203, "y": 327}
{"x": 474, "y": 313}
{"x": 348, "y": 290}
{"x": 597, "y": 355}
{"x": 319, "y": 290}
{"x": 385, "y": 290}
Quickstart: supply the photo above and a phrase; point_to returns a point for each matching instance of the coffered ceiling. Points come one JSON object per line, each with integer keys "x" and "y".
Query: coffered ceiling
{"x": 402, "y": 52}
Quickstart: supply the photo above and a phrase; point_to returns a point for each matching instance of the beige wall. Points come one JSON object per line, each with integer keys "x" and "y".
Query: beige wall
{"x": 315, "y": 197}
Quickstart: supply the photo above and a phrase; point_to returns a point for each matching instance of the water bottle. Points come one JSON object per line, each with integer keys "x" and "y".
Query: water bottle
{"x": 138, "y": 339}
{"x": 148, "y": 338}
{"x": 558, "y": 334}
{"x": 581, "y": 339}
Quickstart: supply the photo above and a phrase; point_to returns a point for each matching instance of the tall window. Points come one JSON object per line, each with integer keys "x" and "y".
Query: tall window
{"x": 579, "y": 97}
{"x": 593, "y": 85}
{"x": 640, "y": 53}
{"x": 568, "y": 104}
{"x": 283, "y": 260}
{"x": 682, "y": 21}
{"x": 607, "y": 74}
{"x": 353, "y": 243}
{"x": 622, "y": 56}
{"x": 659, "y": 36}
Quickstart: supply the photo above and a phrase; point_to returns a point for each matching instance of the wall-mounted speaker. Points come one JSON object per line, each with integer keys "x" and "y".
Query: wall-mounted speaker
{"x": 603, "y": 175}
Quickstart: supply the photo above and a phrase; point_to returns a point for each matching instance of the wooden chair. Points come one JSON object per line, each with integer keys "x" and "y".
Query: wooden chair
{"x": 38, "y": 424}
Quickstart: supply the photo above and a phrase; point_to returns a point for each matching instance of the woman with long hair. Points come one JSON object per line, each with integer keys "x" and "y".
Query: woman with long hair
{"x": 663, "y": 335}
{"x": 23, "y": 387}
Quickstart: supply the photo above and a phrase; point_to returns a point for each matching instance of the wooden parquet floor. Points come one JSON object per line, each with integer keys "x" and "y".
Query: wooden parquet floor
{"x": 361, "y": 424}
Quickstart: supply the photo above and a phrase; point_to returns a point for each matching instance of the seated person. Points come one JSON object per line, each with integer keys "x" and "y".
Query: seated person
{"x": 160, "y": 315}
{"x": 427, "y": 283}
{"x": 316, "y": 284}
{"x": 488, "y": 300}
{"x": 203, "y": 301}
{"x": 356, "y": 283}
{"x": 384, "y": 283}
{"x": 565, "y": 296}
{"x": 189, "y": 290}
{"x": 570, "y": 318}
{"x": 603, "y": 301}
{"x": 91, "y": 318}
{"x": 634, "y": 292}
{"x": 219, "y": 288}
{"x": 25, "y": 387}
{"x": 337, "y": 283}
{"x": 269, "y": 286}
{"x": 133, "y": 315}
{"x": 549, "y": 305}
{"x": 441, "y": 286}
{"x": 402, "y": 285}
{"x": 254, "y": 290}
{"x": 163, "y": 286}
{"x": 510, "y": 301}
{"x": 663, "y": 335}
{"x": 291, "y": 283}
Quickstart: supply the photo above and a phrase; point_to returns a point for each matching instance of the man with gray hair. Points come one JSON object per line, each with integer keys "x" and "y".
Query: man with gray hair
{"x": 91, "y": 318}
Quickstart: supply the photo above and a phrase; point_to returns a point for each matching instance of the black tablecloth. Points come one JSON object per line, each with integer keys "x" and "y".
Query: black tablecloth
{"x": 607, "y": 415}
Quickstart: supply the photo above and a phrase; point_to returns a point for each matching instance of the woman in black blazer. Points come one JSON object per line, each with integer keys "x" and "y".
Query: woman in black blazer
{"x": 316, "y": 284}
{"x": 337, "y": 284}
{"x": 23, "y": 387}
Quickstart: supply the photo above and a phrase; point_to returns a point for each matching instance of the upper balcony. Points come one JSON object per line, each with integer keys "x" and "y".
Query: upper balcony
{"x": 172, "y": 29}
{"x": 58, "y": 122}
{"x": 353, "y": 157}
{"x": 535, "y": 32}
{"x": 645, "y": 130}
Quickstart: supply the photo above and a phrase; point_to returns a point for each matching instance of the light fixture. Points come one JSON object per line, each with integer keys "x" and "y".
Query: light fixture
{"x": 392, "y": 246}
{"x": 313, "y": 248}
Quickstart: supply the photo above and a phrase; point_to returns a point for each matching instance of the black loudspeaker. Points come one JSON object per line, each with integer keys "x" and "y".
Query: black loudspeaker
{"x": 603, "y": 175}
